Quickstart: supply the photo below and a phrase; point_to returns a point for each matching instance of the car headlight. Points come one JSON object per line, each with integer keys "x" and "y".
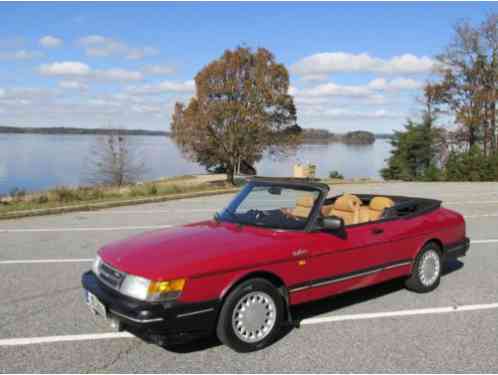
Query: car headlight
{"x": 153, "y": 291}
{"x": 96, "y": 265}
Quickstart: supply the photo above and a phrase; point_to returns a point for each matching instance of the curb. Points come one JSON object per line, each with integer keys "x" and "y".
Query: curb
{"x": 99, "y": 206}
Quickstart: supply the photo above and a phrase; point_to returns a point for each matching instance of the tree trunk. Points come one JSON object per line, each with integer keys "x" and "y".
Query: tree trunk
{"x": 493, "y": 127}
{"x": 230, "y": 174}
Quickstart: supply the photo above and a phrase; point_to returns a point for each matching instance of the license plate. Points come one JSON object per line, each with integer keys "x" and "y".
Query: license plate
{"x": 95, "y": 305}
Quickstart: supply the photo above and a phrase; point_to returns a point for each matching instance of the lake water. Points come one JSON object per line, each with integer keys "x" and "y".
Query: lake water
{"x": 37, "y": 162}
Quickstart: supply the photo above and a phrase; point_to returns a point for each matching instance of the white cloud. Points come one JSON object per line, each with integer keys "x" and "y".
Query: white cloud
{"x": 293, "y": 90}
{"x": 21, "y": 54}
{"x": 369, "y": 90}
{"x": 73, "y": 85}
{"x": 117, "y": 74}
{"x": 318, "y": 112}
{"x": 141, "y": 108}
{"x": 159, "y": 70}
{"x": 82, "y": 70}
{"x": 321, "y": 65}
{"x": 332, "y": 89}
{"x": 164, "y": 87}
{"x": 395, "y": 84}
{"x": 351, "y": 114}
{"x": 15, "y": 97}
{"x": 49, "y": 41}
{"x": 65, "y": 68}
{"x": 101, "y": 46}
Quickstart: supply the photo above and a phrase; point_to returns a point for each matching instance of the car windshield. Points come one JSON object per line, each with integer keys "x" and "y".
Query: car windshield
{"x": 271, "y": 206}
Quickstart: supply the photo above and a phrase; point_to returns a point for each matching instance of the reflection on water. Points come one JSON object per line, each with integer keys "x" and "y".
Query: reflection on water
{"x": 37, "y": 162}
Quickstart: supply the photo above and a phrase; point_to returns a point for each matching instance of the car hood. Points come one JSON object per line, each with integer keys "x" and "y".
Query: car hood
{"x": 194, "y": 250}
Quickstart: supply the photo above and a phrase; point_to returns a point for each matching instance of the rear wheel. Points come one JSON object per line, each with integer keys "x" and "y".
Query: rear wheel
{"x": 251, "y": 316}
{"x": 426, "y": 273}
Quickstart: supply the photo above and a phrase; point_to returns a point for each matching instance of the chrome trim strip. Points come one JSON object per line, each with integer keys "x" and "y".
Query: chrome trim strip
{"x": 195, "y": 312}
{"x": 136, "y": 320}
{"x": 397, "y": 265}
{"x": 340, "y": 279}
{"x": 300, "y": 288}
{"x": 346, "y": 278}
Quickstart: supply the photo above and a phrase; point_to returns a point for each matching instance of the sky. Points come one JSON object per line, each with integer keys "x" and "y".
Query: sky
{"x": 352, "y": 65}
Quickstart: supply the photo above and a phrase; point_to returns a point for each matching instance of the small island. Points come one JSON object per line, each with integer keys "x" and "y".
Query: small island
{"x": 359, "y": 137}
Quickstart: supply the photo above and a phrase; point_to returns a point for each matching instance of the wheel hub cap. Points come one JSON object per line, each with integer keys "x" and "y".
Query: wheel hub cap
{"x": 254, "y": 317}
{"x": 430, "y": 267}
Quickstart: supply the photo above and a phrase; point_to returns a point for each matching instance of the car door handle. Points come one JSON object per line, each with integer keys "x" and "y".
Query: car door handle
{"x": 299, "y": 252}
{"x": 377, "y": 231}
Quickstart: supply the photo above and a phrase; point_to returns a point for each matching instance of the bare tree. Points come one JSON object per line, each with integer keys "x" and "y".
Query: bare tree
{"x": 114, "y": 160}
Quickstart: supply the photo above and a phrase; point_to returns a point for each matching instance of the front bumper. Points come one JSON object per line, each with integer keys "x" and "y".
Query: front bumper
{"x": 457, "y": 250}
{"x": 153, "y": 318}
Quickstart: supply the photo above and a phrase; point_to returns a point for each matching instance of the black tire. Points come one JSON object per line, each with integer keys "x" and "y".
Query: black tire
{"x": 417, "y": 282}
{"x": 251, "y": 288}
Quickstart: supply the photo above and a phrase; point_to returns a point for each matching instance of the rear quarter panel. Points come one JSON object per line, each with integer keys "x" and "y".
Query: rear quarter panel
{"x": 411, "y": 234}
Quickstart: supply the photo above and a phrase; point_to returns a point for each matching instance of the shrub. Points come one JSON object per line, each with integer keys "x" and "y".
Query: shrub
{"x": 471, "y": 165}
{"x": 17, "y": 193}
{"x": 42, "y": 199}
{"x": 64, "y": 194}
{"x": 336, "y": 174}
{"x": 151, "y": 189}
{"x": 136, "y": 191}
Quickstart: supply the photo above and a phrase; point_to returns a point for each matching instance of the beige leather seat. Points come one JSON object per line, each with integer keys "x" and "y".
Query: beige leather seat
{"x": 375, "y": 209}
{"x": 303, "y": 207}
{"x": 346, "y": 207}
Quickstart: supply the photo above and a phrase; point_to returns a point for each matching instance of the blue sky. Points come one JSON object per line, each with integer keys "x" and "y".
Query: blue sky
{"x": 353, "y": 66}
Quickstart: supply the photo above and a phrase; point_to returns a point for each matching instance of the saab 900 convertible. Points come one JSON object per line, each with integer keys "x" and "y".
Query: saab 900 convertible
{"x": 279, "y": 243}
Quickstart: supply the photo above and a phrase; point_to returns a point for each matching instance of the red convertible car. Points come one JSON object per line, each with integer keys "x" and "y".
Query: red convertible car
{"x": 279, "y": 243}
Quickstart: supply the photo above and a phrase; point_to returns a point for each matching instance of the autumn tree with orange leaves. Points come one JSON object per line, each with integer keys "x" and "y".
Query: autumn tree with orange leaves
{"x": 241, "y": 109}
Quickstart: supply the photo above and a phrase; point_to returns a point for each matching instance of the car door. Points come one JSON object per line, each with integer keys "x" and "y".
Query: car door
{"x": 344, "y": 260}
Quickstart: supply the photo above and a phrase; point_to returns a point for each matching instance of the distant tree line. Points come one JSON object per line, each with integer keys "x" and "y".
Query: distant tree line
{"x": 456, "y": 138}
{"x": 78, "y": 131}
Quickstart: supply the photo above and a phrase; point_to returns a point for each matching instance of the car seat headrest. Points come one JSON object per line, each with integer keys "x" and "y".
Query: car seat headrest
{"x": 347, "y": 202}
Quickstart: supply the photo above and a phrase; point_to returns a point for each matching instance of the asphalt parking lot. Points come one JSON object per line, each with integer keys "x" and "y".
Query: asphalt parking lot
{"x": 45, "y": 325}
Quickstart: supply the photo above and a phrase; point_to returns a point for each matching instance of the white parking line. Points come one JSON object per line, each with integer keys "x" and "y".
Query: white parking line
{"x": 76, "y": 229}
{"x": 390, "y": 314}
{"x": 477, "y": 216}
{"x": 328, "y": 319}
{"x": 483, "y": 241}
{"x": 36, "y": 261}
{"x": 65, "y": 338}
{"x": 470, "y": 202}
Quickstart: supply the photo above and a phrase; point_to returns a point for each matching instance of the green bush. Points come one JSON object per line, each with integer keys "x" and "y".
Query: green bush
{"x": 42, "y": 199}
{"x": 471, "y": 165}
{"x": 336, "y": 174}
{"x": 137, "y": 191}
{"x": 151, "y": 189}
{"x": 64, "y": 194}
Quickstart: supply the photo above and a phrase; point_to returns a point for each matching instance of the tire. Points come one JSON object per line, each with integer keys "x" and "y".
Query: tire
{"x": 426, "y": 272}
{"x": 259, "y": 328}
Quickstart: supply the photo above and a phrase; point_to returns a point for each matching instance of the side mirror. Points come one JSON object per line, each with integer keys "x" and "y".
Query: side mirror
{"x": 332, "y": 223}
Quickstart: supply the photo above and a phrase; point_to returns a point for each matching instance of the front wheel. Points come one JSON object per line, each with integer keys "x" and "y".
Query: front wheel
{"x": 426, "y": 273}
{"x": 251, "y": 316}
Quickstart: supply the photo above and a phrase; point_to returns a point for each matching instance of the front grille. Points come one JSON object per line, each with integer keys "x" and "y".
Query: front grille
{"x": 110, "y": 276}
